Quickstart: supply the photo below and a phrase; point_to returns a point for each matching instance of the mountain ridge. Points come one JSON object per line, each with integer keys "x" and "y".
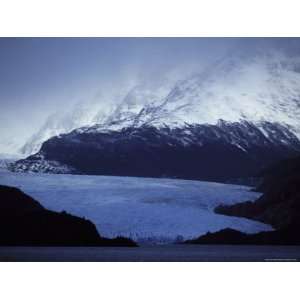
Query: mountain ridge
{"x": 25, "y": 222}
{"x": 207, "y": 152}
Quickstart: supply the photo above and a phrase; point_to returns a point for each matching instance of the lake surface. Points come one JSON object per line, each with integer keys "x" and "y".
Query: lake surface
{"x": 164, "y": 253}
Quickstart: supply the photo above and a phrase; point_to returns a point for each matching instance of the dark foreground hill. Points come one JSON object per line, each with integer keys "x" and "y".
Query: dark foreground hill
{"x": 25, "y": 222}
{"x": 280, "y": 203}
{"x": 286, "y": 236}
{"x": 279, "y": 206}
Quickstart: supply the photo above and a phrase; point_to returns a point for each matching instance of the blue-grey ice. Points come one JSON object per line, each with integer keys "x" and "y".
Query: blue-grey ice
{"x": 141, "y": 208}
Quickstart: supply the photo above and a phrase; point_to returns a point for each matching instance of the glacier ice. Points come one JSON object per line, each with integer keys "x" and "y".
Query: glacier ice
{"x": 145, "y": 209}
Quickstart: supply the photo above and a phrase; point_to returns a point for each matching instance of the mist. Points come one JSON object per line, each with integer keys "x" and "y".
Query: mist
{"x": 40, "y": 77}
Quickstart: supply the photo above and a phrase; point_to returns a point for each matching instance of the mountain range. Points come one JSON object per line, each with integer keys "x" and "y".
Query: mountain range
{"x": 231, "y": 120}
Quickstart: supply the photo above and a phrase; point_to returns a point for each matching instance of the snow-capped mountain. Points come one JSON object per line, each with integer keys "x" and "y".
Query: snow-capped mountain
{"x": 98, "y": 111}
{"x": 262, "y": 87}
{"x": 207, "y": 152}
{"x": 83, "y": 114}
{"x": 256, "y": 94}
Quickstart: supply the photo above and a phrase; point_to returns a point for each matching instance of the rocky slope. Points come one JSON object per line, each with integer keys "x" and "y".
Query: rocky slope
{"x": 280, "y": 203}
{"x": 278, "y": 206}
{"x": 208, "y": 152}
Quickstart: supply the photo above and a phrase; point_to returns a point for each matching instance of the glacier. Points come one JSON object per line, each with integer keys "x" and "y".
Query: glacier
{"x": 149, "y": 210}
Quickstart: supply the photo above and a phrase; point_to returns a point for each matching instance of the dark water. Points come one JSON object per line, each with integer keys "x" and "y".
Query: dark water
{"x": 164, "y": 253}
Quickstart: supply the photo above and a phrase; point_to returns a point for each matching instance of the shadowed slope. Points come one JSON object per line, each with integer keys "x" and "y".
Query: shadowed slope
{"x": 23, "y": 221}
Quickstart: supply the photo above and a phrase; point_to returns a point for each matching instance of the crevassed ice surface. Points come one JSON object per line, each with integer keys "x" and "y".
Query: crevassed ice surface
{"x": 145, "y": 209}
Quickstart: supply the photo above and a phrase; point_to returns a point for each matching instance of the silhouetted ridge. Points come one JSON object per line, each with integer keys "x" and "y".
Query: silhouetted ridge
{"x": 285, "y": 236}
{"x": 280, "y": 203}
{"x": 278, "y": 206}
{"x": 23, "y": 221}
{"x": 14, "y": 202}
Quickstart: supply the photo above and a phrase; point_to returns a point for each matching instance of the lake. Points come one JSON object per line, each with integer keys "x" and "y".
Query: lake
{"x": 161, "y": 253}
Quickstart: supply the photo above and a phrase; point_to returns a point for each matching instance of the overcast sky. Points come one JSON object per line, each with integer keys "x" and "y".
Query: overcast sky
{"x": 39, "y": 76}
